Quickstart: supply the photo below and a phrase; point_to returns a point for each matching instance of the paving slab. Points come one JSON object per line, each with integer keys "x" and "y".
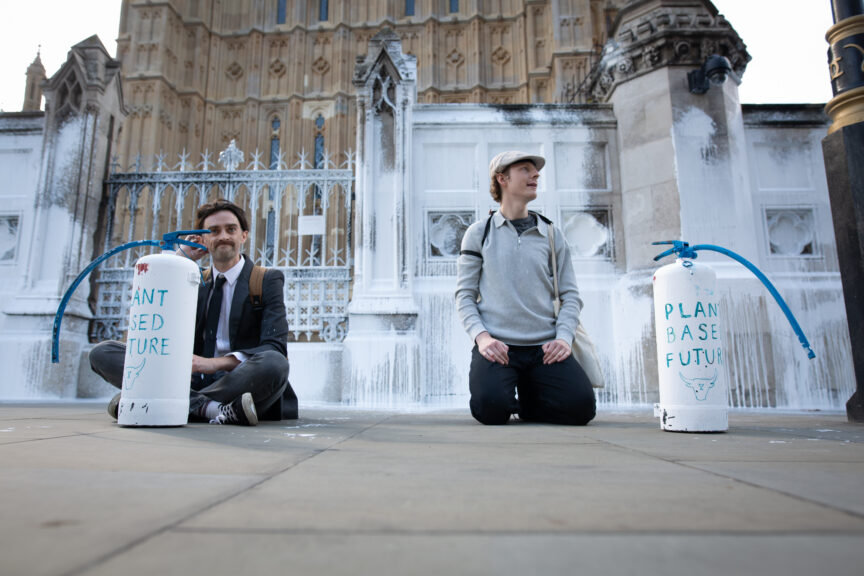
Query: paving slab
{"x": 469, "y": 554}
{"x": 344, "y": 491}
{"x": 835, "y": 484}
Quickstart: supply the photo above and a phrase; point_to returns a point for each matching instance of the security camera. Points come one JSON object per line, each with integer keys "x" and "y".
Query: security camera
{"x": 717, "y": 68}
{"x": 714, "y": 72}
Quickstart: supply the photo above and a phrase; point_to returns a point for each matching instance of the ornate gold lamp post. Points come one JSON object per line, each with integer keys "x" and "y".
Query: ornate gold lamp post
{"x": 843, "y": 149}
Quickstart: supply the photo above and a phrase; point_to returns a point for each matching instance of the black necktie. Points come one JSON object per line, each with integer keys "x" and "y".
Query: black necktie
{"x": 214, "y": 309}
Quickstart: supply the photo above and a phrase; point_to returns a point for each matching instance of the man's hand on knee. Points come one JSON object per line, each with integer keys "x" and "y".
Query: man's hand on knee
{"x": 556, "y": 351}
{"x": 492, "y": 349}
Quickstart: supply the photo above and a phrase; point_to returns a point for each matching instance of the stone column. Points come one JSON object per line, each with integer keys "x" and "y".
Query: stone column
{"x": 83, "y": 114}
{"x": 682, "y": 155}
{"x": 382, "y": 349}
{"x": 843, "y": 149}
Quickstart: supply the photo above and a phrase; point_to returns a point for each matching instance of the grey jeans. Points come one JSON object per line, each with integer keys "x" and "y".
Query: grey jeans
{"x": 265, "y": 375}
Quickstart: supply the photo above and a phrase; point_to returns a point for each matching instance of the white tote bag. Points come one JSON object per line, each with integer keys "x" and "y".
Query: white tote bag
{"x": 583, "y": 347}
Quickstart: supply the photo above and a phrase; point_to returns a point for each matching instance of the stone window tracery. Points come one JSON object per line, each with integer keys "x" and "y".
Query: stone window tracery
{"x": 69, "y": 96}
{"x": 320, "y": 66}
{"x": 8, "y": 238}
{"x": 384, "y": 106}
{"x": 791, "y": 232}
{"x": 383, "y": 92}
{"x": 500, "y": 56}
{"x": 589, "y": 232}
{"x": 234, "y": 71}
{"x": 277, "y": 68}
{"x": 445, "y": 232}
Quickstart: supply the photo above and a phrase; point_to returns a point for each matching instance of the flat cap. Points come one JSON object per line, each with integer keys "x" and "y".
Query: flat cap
{"x": 500, "y": 162}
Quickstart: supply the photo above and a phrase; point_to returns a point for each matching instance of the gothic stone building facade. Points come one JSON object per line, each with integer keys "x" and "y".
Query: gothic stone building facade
{"x": 365, "y": 130}
{"x": 273, "y": 74}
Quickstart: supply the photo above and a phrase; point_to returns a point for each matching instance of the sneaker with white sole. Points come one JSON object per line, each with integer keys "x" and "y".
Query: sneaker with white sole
{"x": 241, "y": 411}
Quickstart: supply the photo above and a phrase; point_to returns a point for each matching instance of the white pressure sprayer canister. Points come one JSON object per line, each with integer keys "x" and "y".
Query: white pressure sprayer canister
{"x": 158, "y": 365}
{"x": 157, "y": 369}
{"x": 690, "y": 354}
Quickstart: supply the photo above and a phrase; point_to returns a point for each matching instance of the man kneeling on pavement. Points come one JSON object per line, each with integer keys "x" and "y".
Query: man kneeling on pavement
{"x": 239, "y": 364}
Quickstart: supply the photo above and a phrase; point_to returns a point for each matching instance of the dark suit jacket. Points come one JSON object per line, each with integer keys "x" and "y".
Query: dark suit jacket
{"x": 251, "y": 329}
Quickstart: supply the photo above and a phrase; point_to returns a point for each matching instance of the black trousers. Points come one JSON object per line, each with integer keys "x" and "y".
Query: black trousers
{"x": 558, "y": 393}
{"x": 265, "y": 375}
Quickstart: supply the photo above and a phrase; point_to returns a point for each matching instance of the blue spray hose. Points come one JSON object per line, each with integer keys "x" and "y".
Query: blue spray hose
{"x": 169, "y": 239}
{"x": 684, "y": 250}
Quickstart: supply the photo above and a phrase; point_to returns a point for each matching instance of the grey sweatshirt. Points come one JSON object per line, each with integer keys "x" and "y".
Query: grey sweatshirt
{"x": 514, "y": 282}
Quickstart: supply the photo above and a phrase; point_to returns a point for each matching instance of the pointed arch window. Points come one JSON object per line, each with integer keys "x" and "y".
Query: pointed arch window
{"x": 319, "y": 142}
{"x": 275, "y": 143}
{"x": 281, "y": 10}
{"x": 409, "y": 7}
{"x": 270, "y": 229}
{"x": 454, "y": 6}
{"x": 317, "y": 195}
{"x": 323, "y": 9}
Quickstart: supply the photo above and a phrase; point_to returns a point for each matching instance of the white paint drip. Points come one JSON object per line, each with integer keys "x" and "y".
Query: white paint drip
{"x": 765, "y": 365}
{"x": 446, "y": 350}
{"x": 624, "y": 355}
{"x": 383, "y": 370}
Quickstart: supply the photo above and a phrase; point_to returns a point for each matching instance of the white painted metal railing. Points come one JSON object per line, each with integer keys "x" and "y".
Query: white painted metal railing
{"x": 299, "y": 223}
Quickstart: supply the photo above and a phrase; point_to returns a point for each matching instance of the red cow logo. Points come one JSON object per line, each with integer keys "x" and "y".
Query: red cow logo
{"x": 142, "y": 268}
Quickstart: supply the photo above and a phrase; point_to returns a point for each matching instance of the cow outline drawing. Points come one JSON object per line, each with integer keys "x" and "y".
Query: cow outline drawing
{"x": 700, "y": 386}
{"x": 132, "y": 373}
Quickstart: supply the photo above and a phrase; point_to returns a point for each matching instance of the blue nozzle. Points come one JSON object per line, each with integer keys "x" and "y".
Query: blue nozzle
{"x": 684, "y": 250}
{"x": 678, "y": 247}
{"x": 169, "y": 239}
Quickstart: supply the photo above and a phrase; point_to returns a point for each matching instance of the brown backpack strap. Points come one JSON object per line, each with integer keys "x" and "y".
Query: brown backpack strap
{"x": 256, "y": 285}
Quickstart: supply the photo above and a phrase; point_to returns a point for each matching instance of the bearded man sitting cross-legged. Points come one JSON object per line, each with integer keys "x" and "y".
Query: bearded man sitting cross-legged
{"x": 239, "y": 364}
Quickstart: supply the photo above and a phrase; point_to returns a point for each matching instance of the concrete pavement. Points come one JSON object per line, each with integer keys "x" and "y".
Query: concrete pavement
{"x": 351, "y": 492}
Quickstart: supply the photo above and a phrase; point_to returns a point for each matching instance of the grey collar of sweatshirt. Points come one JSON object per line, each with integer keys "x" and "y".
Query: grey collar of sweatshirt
{"x": 505, "y": 286}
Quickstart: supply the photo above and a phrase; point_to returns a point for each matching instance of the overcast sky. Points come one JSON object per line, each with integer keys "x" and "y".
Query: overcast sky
{"x": 788, "y": 66}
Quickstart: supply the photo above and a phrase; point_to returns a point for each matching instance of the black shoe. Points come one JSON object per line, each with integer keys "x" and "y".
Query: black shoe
{"x": 114, "y": 406}
{"x": 240, "y": 412}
